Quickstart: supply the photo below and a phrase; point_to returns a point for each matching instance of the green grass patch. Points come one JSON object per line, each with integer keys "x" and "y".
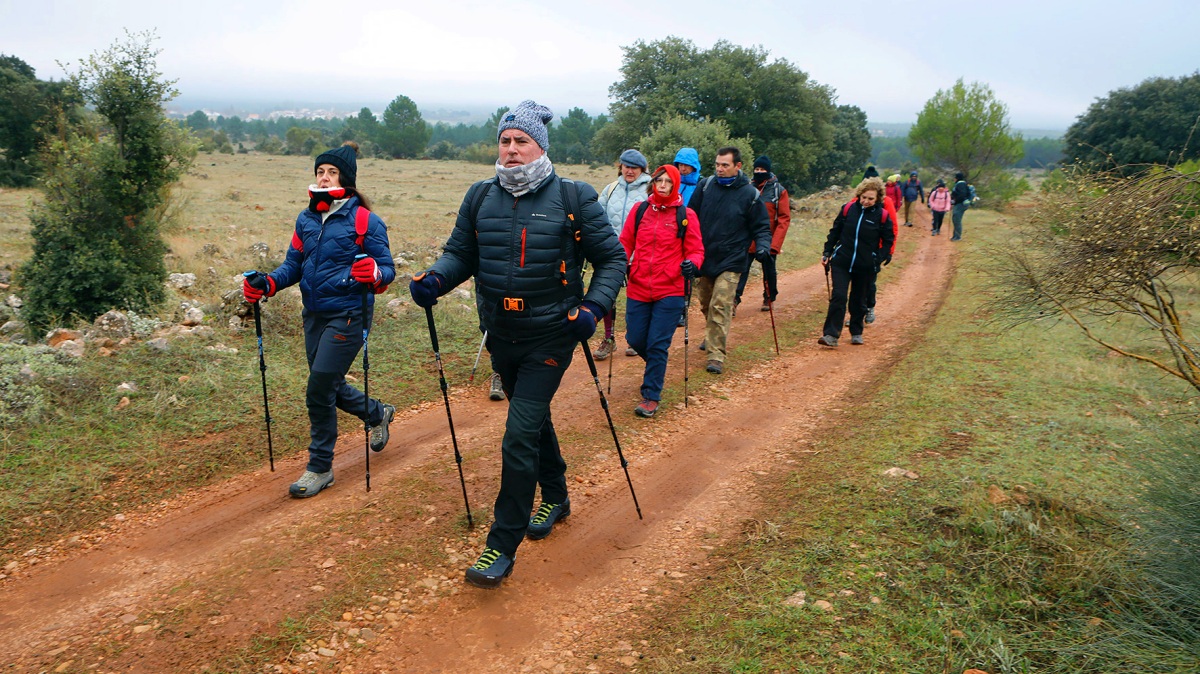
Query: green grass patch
{"x": 1016, "y": 550}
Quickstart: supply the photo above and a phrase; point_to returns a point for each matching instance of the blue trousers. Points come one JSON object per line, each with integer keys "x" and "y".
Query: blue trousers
{"x": 331, "y": 343}
{"x": 956, "y": 215}
{"x": 650, "y": 327}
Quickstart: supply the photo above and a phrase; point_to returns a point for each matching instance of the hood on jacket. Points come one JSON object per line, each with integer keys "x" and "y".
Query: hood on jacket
{"x": 672, "y": 199}
{"x": 689, "y": 156}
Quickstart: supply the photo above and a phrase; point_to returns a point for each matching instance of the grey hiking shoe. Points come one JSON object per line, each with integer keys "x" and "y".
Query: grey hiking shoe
{"x": 491, "y": 569}
{"x": 870, "y": 317}
{"x": 631, "y": 352}
{"x": 544, "y": 519}
{"x": 497, "y": 390}
{"x": 379, "y": 434}
{"x": 714, "y": 366}
{"x": 856, "y": 339}
{"x": 310, "y": 484}
{"x": 827, "y": 340}
{"x": 606, "y": 349}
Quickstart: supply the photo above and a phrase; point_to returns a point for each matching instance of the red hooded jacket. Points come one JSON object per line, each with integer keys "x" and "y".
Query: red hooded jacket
{"x": 657, "y": 252}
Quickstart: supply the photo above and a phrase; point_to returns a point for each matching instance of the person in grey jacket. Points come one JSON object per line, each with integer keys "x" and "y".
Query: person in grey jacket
{"x": 514, "y": 236}
{"x": 619, "y": 198}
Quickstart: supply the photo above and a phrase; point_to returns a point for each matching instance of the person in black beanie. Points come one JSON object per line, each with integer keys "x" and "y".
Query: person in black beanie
{"x": 779, "y": 209}
{"x": 330, "y": 234}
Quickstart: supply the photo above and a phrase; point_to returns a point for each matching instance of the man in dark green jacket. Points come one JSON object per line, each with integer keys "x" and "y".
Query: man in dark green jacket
{"x": 731, "y": 217}
{"x": 518, "y": 236}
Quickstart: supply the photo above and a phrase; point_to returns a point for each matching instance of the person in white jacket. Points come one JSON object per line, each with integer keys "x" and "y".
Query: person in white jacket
{"x": 619, "y": 198}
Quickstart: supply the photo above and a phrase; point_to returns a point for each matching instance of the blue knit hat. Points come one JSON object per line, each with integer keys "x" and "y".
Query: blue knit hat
{"x": 632, "y": 157}
{"x": 530, "y": 118}
{"x": 345, "y": 159}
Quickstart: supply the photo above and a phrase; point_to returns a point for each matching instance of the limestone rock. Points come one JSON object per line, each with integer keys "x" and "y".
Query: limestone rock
{"x": 181, "y": 281}
{"x": 159, "y": 344}
{"x": 14, "y": 302}
{"x": 72, "y": 347}
{"x": 193, "y": 316}
{"x": 113, "y": 324}
{"x": 59, "y": 335}
{"x": 11, "y": 327}
{"x": 896, "y": 471}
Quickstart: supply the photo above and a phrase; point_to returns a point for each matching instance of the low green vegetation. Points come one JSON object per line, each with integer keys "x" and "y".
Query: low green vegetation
{"x": 1051, "y": 526}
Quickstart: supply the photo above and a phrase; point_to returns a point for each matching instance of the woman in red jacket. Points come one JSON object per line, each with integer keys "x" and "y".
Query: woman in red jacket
{"x": 662, "y": 241}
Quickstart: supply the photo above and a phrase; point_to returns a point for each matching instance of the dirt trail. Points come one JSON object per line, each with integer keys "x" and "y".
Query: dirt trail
{"x": 193, "y": 581}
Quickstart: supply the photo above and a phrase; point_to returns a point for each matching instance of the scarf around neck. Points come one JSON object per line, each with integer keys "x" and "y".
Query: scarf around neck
{"x": 324, "y": 202}
{"x": 526, "y": 178}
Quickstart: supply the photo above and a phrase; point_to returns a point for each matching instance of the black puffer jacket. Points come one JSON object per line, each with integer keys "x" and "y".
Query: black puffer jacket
{"x": 730, "y": 218}
{"x": 515, "y": 250}
{"x": 859, "y": 236}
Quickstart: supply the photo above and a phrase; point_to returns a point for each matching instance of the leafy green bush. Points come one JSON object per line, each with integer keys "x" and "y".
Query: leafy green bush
{"x": 663, "y": 140}
{"x": 96, "y": 236}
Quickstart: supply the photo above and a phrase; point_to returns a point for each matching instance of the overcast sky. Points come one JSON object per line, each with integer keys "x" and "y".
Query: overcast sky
{"x": 1047, "y": 60}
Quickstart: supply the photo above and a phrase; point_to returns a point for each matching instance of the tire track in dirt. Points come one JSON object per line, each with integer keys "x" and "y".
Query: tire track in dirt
{"x": 692, "y": 469}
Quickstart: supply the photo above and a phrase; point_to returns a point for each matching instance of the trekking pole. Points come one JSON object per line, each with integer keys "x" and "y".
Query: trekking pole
{"x": 262, "y": 368}
{"x": 587, "y": 353}
{"x": 477, "y": 355}
{"x": 437, "y": 356}
{"x": 828, "y": 287}
{"x": 687, "y": 305}
{"x": 366, "y": 384}
{"x": 771, "y": 308}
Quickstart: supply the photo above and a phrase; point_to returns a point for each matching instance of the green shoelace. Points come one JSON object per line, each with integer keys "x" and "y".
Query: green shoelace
{"x": 543, "y": 513}
{"x": 488, "y": 558}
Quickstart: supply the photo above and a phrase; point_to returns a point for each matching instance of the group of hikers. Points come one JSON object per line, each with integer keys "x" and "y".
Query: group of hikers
{"x": 525, "y": 237}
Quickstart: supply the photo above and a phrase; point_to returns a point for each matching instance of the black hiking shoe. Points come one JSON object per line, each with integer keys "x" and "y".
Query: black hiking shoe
{"x": 544, "y": 519}
{"x": 828, "y": 340}
{"x": 715, "y": 367}
{"x": 491, "y": 569}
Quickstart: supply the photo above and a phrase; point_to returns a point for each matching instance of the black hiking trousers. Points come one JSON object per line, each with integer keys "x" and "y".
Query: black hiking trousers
{"x": 530, "y": 372}
{"x": 858, "y": 283}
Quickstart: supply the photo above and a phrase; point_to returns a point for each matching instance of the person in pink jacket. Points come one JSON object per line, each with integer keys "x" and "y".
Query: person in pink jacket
{"x": 939, "y": 203}
{"x": 661, "y": 237}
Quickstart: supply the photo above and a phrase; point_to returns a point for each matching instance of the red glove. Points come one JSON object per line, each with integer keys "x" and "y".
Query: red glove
{"x": 255, "y": 287}
{"x": 366, "y": 271}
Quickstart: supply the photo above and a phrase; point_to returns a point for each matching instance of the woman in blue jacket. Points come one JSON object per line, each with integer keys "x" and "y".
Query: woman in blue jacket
{"x": 324, "y": 258}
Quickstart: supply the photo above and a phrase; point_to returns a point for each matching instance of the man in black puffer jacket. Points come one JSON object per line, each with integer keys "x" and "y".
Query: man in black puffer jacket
{"x": 515, "y": 236}
{"x": 731, "y": 217}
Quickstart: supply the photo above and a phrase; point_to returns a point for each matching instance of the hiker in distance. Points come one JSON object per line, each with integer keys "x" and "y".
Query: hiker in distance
{"x": 325, "y": 258}
{"x": 731, "y": 216}
{"x": 662, "y": 241}
{"x": 523, "y": 236}
{"x": 913, "y": 190}
{"x": 859, "y": 243}
{"x": 779, "y": 210}
{"x": 939, "y": 205}
{"x": 960, "y": 201}
{"x": 687, "y": 162}
{"x": 618, "y": 198}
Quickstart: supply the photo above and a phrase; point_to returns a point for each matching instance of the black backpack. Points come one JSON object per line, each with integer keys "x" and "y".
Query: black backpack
{"x": 680, "y": 219}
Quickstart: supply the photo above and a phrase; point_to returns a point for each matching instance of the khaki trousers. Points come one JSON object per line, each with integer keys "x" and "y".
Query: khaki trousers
{"x": 716, "y": 301}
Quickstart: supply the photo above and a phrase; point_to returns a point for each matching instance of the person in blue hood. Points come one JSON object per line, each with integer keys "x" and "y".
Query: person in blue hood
{"x": 687, "y": 160}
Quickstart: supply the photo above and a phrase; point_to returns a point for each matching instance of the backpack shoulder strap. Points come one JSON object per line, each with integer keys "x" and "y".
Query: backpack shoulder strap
{"x": 681, "y": 221}
{"x": 477, "y": 201}
{"x": 846, "y": 208}
{"x": 569, "y": 193}
{"x": 362, "y": 218}
{"x": 637, "y": 219}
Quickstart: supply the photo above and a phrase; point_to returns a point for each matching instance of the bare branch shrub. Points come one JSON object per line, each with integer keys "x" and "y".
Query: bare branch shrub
{"x": 1102, "y": 249}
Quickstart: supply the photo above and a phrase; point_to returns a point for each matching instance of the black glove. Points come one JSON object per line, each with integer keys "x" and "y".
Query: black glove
{"x": 762, "y": 255}
{"x": 425, "y": 288}
{"x": 887, "y": 259}
{"x": 688, "y": 269}
{"x": 580, "y": 323}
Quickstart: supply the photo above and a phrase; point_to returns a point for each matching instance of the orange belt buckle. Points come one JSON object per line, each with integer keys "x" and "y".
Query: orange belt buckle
{"x": 514, "y": 304}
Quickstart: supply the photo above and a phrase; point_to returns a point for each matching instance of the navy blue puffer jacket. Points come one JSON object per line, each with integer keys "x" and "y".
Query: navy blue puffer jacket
{"x": 321, "y": 255}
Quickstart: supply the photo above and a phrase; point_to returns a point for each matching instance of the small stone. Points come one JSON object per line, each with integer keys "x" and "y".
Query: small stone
{"x": 129, "y": 386}
{"x": 796, "y": 599}
{"x": 368, "y": 634}
{"x": 14, "y": 302}
{"x": 158, "y": 344}
{"x": 628, "y": 661}
{"x": 183, "y": 379}
{"x": 347, "y": 616}
{"x": 996, "y": 495}
{"x": 823, "y": 605}
{"x": 128, "y": 618}
{"x": 181, "y": 281}
{"x": 896, "y": 471}
{"x": 59, "y": 335}
{"x": 64, "y": 666}
{"x": 119, "y": 517}
{"x": 328, "y": 564}
{"x": 113, "y": 324}
{"x": 876, "y": 600}
{"x": 974, "y": 671}
{"x": 326, "y": 653}
{"x": 141, "y": 629}
{"x": 123, "y": 403}
{"x": 73, "y": 347}
{"x": 317, "y": 588}
{"x": 11, "y": 327}
{"x": 193, "y": 316}
{"x": 958, "y": 634}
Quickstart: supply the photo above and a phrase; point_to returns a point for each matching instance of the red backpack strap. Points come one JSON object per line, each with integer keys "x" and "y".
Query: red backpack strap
{"x": 362, "y": 218}
{"x": 846, "y": 208}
